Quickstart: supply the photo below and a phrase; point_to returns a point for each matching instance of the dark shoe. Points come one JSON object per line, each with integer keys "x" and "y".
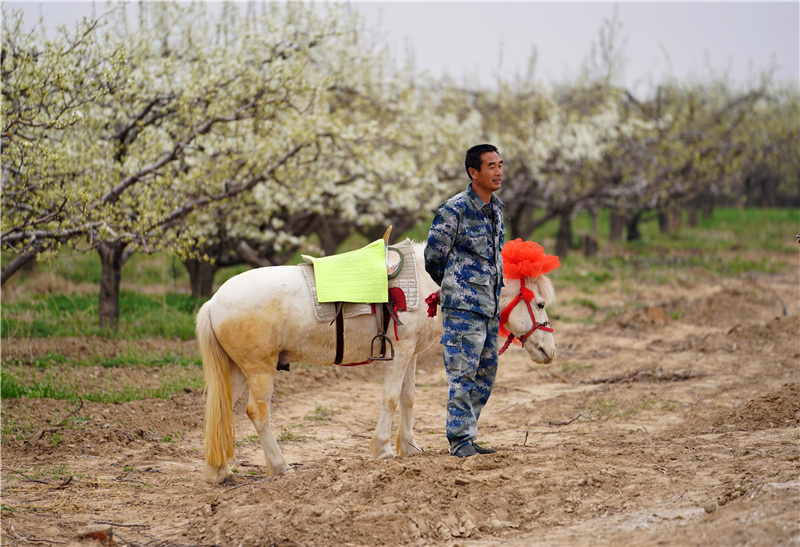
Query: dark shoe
{"x": 483, "y": 450}
{"x": 465, "y": 451}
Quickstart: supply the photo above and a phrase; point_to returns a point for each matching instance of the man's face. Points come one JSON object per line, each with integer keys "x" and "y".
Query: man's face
{"x": 490, "y": 177}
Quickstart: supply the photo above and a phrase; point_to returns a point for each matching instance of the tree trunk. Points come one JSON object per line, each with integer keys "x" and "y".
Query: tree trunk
{"x": 664, "y": 225}
{"x": 632, "y": 224}
{"x": 201, "y": 277}
{"x": 617, "y": 223}
{"x": 589, "y": 245}
{"x": 670, "y": 218}
{"x": 692, "y": 215}
{"x": 331, "y": 234}
{"x": 564, "y": 236}
{"x": 112, "y": 258}
{"x": 707, "y": 209}
{"x": 675, "y": 217}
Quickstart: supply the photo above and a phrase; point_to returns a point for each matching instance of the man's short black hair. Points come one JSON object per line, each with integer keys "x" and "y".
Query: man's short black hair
{"x": 473, "y": 158}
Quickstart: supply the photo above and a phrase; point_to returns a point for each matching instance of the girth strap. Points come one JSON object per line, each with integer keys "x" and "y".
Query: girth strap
{"x": 339, "y": 319}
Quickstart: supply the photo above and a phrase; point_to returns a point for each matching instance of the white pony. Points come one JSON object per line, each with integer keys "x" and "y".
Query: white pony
{"x": 265, "y": 316}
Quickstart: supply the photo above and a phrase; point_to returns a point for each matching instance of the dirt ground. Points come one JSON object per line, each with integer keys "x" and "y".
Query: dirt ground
{"x": 674, "y": 422}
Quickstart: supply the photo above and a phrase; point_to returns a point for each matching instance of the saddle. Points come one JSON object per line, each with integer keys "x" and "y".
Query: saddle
{"x": 378, "y": 279}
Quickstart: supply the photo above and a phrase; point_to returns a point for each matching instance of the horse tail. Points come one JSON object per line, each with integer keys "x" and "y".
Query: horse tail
{"x": 219, "y": 426}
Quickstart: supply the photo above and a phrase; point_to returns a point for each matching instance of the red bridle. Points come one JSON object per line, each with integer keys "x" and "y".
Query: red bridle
{"x": 527, "y": 295}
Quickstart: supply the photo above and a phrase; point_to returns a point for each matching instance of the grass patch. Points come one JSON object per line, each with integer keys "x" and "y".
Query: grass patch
{"x": 321, "y": 414}
{"x": 729, "y": 228}
{"x": 17, "y": 431}
{"x": 60, "y": 315}
{"x": 605, "y": 409}
{"x": 177, "y": 437}
{"x": 122, "y": 359}
{"x": 719, "y": 246}
{"x": 290, "y": 435}
{"x": 64, "y": 384}
{"x": 145, "y": 360}
{"x": 250, "y": 439}
{"x": 48, "y": 473}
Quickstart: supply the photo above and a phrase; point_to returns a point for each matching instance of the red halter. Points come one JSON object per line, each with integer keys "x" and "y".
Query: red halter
{"x": 527, "y": 295}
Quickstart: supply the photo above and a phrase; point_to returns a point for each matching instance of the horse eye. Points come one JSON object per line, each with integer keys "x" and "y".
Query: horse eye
{"x": 541, "y": 305}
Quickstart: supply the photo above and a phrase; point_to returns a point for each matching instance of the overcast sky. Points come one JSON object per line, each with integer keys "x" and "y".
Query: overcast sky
{"x": 479, "y": 40}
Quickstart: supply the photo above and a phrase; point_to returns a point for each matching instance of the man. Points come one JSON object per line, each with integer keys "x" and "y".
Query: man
{"x": 463, "y": 257}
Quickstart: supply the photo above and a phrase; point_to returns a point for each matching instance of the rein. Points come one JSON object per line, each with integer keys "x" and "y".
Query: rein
{"x": 526, "y": 295}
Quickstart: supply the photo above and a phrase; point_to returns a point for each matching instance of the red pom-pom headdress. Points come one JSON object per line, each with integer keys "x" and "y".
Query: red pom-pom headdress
{"x": 527, "y": 259}
{"x": 523, "y": 259}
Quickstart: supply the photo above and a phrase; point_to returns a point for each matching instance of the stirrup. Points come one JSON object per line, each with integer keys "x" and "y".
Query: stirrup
{"x": 382, "y": 357}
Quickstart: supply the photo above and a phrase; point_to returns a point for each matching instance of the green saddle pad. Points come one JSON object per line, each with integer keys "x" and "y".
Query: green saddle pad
{"x": 357, "y": 276}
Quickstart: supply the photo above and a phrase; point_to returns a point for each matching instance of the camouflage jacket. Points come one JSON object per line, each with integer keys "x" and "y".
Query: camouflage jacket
{"x": 463, "y": 252}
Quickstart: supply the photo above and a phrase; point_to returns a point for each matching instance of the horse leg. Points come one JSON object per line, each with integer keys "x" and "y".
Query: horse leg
{"x": 238, "y": 382}
{"x": 380, "y": 446}
{"x": 258, "y": 409}
{"x": 405, "y": 429}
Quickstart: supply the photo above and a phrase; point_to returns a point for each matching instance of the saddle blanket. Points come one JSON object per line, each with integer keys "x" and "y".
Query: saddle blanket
{"x": 406, "y": 279}
{"x": 357, "y": 276}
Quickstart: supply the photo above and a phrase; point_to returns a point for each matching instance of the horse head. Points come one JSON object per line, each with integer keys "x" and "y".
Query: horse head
{"x": 524, "y": 298}
{"x": 524, "y": 303}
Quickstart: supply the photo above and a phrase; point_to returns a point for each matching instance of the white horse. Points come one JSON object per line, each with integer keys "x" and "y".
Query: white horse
{"x": 265, "y": 316}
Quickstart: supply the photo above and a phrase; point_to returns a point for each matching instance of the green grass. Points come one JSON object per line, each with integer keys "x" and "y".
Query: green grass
{"x": 19, "y": 382}
{"x": 38, "y": 472}
{"x": 170, "y": 438}
{"x": 141, "y": 316}
{"x": 321, "y": 414}
{"x": 722, "y": 246}
{"x": 122, "y": 359}
{"x": 250, "y": 439}
{"x": 604, "y": 408}
{"x": 13, "y": 429}
{"x": 289, "y": 435}
{"x": 730, "y": 228}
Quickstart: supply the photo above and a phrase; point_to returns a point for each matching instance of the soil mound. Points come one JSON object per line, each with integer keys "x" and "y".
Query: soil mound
{"x": 730, "y": 307}
{"x": 779, "y": 409}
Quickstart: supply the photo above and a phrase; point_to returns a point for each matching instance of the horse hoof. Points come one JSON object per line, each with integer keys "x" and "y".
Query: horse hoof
{"x": 280, "y": 471}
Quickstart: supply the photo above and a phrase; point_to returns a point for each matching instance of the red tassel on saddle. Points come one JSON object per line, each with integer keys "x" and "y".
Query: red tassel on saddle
{"x": 433, "y": 302}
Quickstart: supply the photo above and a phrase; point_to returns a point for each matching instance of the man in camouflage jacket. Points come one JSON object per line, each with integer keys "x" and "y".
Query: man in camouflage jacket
{"x": 463, "y": 257}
